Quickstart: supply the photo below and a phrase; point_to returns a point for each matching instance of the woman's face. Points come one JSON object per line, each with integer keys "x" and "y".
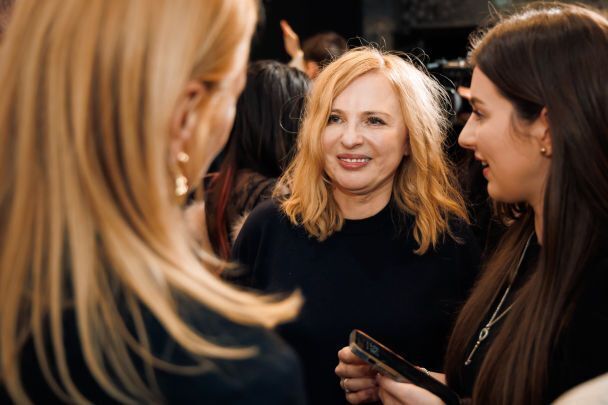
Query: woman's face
{"x": 365, "y": 138}
{"x": 513, "y": 164}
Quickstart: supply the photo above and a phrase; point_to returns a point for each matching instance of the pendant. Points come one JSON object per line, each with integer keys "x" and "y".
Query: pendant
{"x": 484, "y": 334}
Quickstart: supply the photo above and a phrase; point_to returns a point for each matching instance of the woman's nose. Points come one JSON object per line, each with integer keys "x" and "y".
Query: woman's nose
{"x": 466, "y": 139}
{"x": 351, "y": 136}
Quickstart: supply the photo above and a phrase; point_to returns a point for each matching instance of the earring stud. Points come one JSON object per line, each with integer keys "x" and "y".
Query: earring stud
{"x": 181, "y": 185}
{"x": 183, "y": 157}
{"x": 543, "y": 151}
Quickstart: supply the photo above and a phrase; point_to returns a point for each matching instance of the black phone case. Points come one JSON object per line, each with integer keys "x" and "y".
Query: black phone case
{"x": 397, "y": 363}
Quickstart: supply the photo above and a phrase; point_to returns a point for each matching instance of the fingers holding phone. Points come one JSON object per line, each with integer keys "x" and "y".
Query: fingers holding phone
{"x": 357, "y": 378}
{"x": 392, "y": 392}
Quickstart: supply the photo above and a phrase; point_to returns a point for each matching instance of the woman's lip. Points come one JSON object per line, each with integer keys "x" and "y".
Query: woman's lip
{"x": 352, "y": 162}
{"x": 485, "y": 171}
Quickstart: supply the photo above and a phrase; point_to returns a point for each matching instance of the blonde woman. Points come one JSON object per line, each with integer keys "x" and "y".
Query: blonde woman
{"x": 374, "y": 230}
{"x": 109, "y": 110}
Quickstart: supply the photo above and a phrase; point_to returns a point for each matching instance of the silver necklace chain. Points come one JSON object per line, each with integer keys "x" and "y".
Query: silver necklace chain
{"x": 485, "y": 331}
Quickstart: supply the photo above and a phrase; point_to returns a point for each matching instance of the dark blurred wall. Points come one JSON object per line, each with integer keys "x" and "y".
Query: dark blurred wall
{"x": 439, "y": 28}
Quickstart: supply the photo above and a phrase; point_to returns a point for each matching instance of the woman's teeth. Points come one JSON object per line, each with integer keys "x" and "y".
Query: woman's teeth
{"x": 363, "y": 160}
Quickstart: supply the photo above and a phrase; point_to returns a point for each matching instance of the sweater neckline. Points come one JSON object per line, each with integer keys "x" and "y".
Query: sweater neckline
{"x": 369, "y": 224}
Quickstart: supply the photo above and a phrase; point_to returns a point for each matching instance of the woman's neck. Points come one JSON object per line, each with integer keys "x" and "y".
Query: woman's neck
{"x": 354, "y": 206}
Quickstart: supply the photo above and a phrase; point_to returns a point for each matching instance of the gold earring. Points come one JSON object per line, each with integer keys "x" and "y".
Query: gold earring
{"x": 183, "y": 157}
{"x": 543, "y": 151}
{"x": 181, "y": 185}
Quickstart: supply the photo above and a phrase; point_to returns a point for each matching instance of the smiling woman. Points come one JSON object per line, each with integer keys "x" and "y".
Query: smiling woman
{"x": 364, "y": 142}
{"x": 374, "y": 232}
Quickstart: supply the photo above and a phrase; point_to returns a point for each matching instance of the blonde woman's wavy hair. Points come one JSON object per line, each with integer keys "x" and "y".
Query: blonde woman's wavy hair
{"x": 89, "y": 223}
{"x": 424, "y": 185}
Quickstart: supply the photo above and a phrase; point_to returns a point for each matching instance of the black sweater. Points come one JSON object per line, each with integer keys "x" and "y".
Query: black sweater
{"x": 365, "y": 276}
{"x": 273, "y": 376}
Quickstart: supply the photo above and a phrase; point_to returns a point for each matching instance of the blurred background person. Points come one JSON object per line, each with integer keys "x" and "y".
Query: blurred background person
{"x": 315, "y": 53}
{"x": 260, "y": 147}
{"x": 105, "y": 297}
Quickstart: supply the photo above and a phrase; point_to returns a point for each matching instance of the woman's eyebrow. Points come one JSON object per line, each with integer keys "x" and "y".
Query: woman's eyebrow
{"x": 475, "y": 100}
{"x": 376, "y": 113}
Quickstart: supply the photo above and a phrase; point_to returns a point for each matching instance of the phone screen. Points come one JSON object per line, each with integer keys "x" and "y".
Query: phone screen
{"x": 378, "y": 355}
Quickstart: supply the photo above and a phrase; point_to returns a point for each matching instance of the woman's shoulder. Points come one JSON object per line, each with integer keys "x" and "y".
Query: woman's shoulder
{"x": 266, "y": 217}
{"x": 271, "y": 375}
{"x": 267, "y": 210}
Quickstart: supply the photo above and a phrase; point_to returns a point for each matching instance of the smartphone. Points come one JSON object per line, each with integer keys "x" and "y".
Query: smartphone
{"x": 396, "y": 367}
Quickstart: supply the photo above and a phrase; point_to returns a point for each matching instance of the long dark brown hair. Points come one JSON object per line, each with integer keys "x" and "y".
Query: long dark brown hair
{"x": 554, "y": 56}
{"x": 262, "y": 140}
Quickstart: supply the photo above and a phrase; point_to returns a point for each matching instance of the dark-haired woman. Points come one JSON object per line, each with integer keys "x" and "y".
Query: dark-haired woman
{"x": 260, "y": 147}
{"x": 537, "y": 322}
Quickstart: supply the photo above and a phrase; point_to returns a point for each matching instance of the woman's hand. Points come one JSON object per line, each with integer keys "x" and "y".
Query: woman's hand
{"x": 357, "y": 378}
{"x": 392, "y": 392}
{"x": 291, "y": 40}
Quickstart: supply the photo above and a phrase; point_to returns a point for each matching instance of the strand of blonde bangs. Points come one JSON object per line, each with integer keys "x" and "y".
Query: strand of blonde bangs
{"x": 13, "y": 260}
{"x": 88, "y": 296}
{"x": 86, "y": 270}
{"x": 40, "y": 298}
{"x": 61, "y": 157}
{"x": 26, "y": 129}
{"x": 13, "y": 280}
{"x": 94, "y": 330}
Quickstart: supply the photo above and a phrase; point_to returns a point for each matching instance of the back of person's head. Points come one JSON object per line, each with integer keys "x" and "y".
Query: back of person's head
{"x": 321, "y": 49}
{"x": 549, "y": 57}
{"x": 268, "y": 117}
{"x": 423, "y": 186}
{"x": 262, "y": 139}
{"x": 324, "y": 47}
{"x": 90, "y": 218}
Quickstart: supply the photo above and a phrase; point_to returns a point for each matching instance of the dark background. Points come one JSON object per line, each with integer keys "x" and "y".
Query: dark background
{"x": 439, "y": 27}
{"x": 306, "y": 18}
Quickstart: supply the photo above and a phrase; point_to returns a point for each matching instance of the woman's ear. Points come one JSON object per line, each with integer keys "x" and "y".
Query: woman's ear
{"x": 542, "y": 132}
{"x": 186, "y": 115}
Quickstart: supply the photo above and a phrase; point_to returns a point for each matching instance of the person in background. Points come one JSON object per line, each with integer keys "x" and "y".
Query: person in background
{"x": 260, "y": 147}
{"x": 315, "y": 53}
{"x": 110, "y": 109}
{"x": 536, "y": 323}
{"x": 374, "y": 228}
